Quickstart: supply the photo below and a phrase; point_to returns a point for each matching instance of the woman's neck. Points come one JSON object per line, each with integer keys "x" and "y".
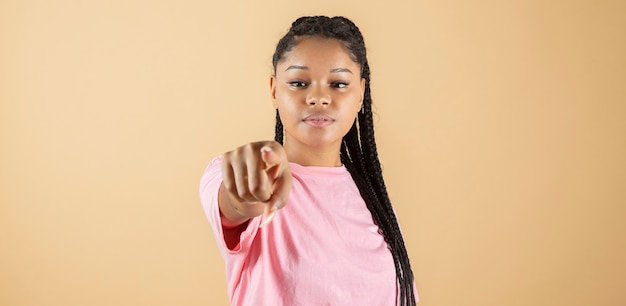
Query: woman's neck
{"x": 327, "y": 156}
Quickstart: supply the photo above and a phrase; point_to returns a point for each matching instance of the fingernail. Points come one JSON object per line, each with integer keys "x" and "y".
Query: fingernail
{"x": 266, "y": 149}
{"x": 268, "y": 219}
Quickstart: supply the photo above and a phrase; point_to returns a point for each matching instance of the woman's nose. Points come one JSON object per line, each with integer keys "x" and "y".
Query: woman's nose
{"x": 318, "y": 95}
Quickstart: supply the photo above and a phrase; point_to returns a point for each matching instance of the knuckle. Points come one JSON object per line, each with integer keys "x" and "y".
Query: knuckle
{"x": 255, "y": 188}
{"x": 229, "y": 186}
{"x": 247, "y": 148}
{"x": 228, "y": 156}
{"x": 244, "y": 194}
{"x": 258, "y": 191}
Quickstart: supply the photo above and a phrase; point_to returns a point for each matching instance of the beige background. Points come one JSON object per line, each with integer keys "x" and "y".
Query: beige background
{"x": 501, "y": 127}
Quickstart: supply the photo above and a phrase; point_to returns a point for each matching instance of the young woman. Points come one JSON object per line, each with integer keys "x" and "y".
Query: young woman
{"x": 333, "y": 238}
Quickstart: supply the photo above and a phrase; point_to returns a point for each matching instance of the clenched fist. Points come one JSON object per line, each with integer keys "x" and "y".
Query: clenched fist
{"x": 256, "y": 180}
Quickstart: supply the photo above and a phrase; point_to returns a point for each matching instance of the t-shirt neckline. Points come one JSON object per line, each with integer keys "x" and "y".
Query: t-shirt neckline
{"x": 318, "y": 170}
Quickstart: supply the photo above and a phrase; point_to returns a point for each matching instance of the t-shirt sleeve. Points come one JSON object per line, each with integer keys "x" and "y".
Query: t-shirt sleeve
{"x": 209, "y": 187}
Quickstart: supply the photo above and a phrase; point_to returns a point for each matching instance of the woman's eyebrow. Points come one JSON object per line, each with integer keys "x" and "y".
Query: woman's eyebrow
{"x": 334, "y": 70}
{"x": 297, "y": 67}
{"x": 340, "y": 70}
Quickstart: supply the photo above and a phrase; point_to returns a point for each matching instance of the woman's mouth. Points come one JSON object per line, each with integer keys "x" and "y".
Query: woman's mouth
{"x": 318, "y": 120}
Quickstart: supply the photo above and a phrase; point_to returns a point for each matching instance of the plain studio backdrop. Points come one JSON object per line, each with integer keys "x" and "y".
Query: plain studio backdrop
{"x": 501, "y": 128}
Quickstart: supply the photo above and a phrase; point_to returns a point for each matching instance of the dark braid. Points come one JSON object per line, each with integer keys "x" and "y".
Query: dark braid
{"x": 279, "y": 129}
{"x": 358, "y": 149}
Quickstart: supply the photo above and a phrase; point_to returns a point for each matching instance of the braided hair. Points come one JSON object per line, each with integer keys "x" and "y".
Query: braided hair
{"x": 358, "y": 148}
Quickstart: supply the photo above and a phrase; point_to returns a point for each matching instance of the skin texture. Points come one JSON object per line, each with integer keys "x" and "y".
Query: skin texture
{"x": 318, "y": 92}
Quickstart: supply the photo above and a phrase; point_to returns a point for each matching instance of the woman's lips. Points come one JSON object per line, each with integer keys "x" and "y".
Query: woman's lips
{"x": 318, "y": 120}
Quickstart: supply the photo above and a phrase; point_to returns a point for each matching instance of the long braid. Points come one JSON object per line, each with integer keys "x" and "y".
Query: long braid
{"x": 358, "y": 149}
{"x": 279, "y": 129}
{"x": 389, "y": 224}
{"x": 370, "y": 154}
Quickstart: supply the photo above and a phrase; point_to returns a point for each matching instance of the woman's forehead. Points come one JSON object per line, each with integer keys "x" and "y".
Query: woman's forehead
{"x": 318, "y": 52}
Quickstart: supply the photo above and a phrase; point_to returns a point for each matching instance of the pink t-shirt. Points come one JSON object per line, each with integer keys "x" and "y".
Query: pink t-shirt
{"x": 322, "y": 248}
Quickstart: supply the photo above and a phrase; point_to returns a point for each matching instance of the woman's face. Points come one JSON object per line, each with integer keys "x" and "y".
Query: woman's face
{"x": 318, "y": 91}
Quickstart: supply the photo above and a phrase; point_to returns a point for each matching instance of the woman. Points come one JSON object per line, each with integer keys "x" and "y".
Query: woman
{"x": 333, "y": 237}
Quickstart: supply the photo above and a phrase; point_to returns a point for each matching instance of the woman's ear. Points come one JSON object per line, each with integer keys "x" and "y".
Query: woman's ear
{"x": 273, "y": 90}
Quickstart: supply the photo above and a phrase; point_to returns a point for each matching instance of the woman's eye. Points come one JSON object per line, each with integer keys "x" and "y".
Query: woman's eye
{"x": 339, "y": 84}
{"x": 297, "y": 84}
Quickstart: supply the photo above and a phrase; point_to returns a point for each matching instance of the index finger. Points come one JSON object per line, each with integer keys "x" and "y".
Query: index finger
{"x": 278, "y": 200}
